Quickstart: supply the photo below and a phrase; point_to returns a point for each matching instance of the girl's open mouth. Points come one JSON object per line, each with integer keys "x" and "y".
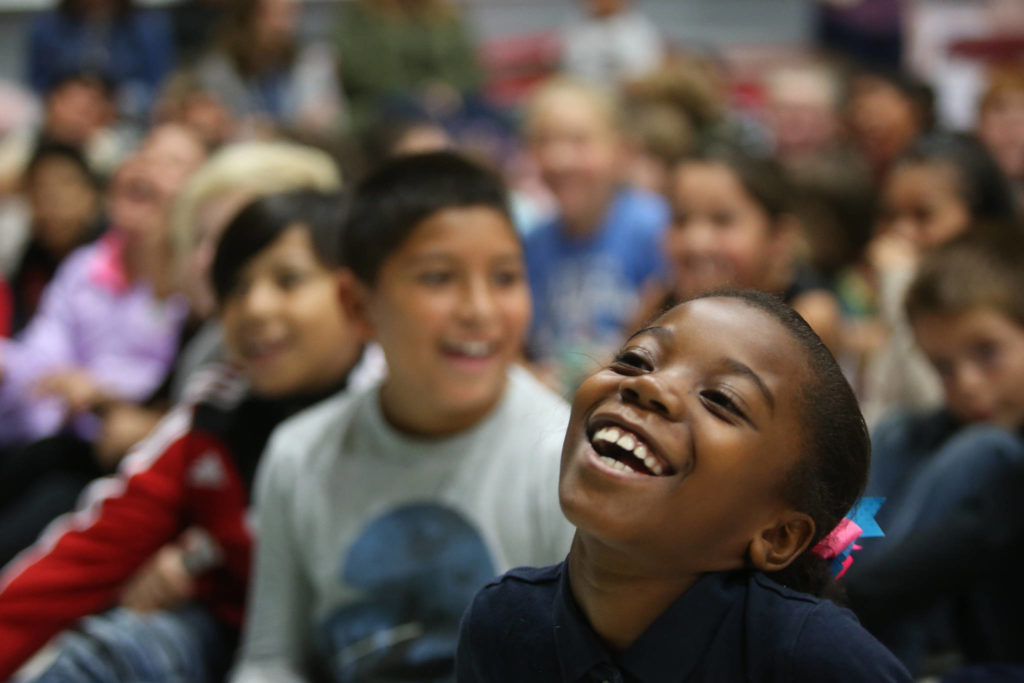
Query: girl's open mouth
{"x": 624, "y": 450}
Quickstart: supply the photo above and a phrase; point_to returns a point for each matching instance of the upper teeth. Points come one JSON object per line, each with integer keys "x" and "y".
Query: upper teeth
{"x": 471, "y": 348}
{"x": 628, "y": 442}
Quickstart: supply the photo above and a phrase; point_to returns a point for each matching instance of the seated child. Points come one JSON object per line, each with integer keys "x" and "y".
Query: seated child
{"x": 954, "y": 477}
{"x": 733, "y": 226}
{"x": 937, "y": 190}
{"x": 383, "y": 512}
{"x": 108, "y": 323}
{"x": 589, "y": 265}
{"x": 291, "y": 345}
{"x": 64, "y": 213}
{"x": 701, "y": 469}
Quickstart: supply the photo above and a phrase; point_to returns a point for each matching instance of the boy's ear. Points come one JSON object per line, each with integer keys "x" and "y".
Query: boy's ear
{"x": 776, "y": 546}
{"x": 354, "y": 298}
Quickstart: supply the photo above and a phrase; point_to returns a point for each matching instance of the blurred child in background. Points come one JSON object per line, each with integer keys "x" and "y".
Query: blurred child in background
{"x": 131, "y": 46}
{"x": 953, "y": 476}
{"x": 64, "y": 202}
{"x": 884, "y": 113}
{"x": 290, "y": 345}
{"x": 614, "y": 43}
{"x": 733, "y": 226}
{"x": 105, "y": 336}
{"x": 1001, "y": 125}
{"x": 265, "y": 77}
{"x": 940, "y": 186}
{"x": 108, "y": 323}
{"x": 588, "y": 266}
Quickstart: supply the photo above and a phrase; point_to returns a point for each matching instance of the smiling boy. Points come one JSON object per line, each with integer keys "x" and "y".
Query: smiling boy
{"x": 381, "y": 514}
{"x": 291, "y": 345}
{"x": 588, "y": 266}
{"x": 698, "y": 467}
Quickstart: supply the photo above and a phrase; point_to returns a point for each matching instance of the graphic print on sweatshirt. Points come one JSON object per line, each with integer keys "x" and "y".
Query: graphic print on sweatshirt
{"x": 417, "y": 568}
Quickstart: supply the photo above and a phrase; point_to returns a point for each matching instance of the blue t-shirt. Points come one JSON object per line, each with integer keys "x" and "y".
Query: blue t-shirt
{"x": 585, "y": 290}
{"x": 729, "y": 626}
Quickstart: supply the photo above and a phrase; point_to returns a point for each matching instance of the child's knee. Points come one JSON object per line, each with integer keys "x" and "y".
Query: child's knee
{"x": 979, "y": 442}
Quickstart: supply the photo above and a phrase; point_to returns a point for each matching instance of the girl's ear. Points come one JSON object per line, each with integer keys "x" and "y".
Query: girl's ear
{"x": 354, "y": 297}
{"x": 778, "y": 545}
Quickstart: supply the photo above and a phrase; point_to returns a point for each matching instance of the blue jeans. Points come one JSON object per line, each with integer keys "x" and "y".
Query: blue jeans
{"x": 185, "y": 645}
{"x": 934, "y": 556}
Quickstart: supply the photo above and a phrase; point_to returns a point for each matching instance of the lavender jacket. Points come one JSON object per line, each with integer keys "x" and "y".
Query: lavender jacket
{"x": 90, "y": 317}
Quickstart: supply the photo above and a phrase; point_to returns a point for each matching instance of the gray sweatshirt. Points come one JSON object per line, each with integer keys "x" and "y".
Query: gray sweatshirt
{"x": 371, "y": 543}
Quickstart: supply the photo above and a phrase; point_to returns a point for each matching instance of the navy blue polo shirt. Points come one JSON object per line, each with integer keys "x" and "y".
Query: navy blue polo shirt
{"x": 525, "y": 627}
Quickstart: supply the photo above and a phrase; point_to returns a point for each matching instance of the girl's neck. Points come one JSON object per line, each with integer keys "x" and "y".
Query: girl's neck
{"x": 619, "y": 599}
{"x": 414, "y": 414}
{"x": 152, "y": 264}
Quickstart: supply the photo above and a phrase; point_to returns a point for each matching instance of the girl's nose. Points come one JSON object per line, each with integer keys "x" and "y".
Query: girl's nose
{"x": 648, "y": 392}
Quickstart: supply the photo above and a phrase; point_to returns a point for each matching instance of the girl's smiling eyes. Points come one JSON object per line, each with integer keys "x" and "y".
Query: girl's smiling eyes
{"x": 632, "y": 361}
{"x": 723, "y": 405}
{"x": 720, "y": 400}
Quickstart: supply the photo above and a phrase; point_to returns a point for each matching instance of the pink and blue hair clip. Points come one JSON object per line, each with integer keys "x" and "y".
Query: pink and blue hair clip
{"x": 840, "y": 543}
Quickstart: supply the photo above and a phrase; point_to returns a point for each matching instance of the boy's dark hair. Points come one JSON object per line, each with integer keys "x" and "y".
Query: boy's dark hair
{"x": 47, "y": 150}
{"x": 763, "y": 178}
{"x": 390, "y": 203}
{"x": 265, "y": 219}
{"x": 983, "y": 268}
{"x": 833, "y": 468}
{"x": 917, "y": 92}
{"x": 98, "y": 79}
{"x": 981, "y": 183}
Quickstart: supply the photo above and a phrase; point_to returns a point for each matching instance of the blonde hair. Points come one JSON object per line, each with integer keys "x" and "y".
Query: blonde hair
{"x": 601, "y": 100}
{"x": 254, "y": 169}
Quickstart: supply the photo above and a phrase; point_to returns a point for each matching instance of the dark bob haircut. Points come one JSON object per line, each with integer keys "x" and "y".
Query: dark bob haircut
{"x": 402, "y": 193}
{"x": 265, "y": 219}
{"x": 48, "y": 150}
{"x": 763, "y": 178}
{"x": 980, "y": 181}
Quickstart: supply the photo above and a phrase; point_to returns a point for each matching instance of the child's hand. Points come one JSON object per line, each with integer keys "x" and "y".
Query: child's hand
{"x": 73, "y": 386}
{"x": 893, "y": 252}
{"x": 123, "y": 426}
{"x": 162, "y": 583}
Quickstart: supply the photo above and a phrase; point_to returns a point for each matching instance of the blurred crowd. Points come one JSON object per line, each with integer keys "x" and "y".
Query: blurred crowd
{"x": 640, "y": 173}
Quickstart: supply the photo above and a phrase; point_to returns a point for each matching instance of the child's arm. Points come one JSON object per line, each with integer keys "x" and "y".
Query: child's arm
{"x": 276, "y": 639}
{"x": 81, "y": 562}
{"x": 45, "y": 346}
{"x": 952, "y": 543}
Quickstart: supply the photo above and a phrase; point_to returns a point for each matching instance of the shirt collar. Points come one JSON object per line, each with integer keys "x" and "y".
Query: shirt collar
{"x": 107, "y": 267}
{"x": 668, "y": 650}
{"x": 679, "y": 638}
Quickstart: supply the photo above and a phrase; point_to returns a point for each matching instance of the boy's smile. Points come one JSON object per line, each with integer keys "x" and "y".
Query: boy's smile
{"x": 682, "y": 446}
{"x": 449, "y": 308}
{"x": 283, "y": 322}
